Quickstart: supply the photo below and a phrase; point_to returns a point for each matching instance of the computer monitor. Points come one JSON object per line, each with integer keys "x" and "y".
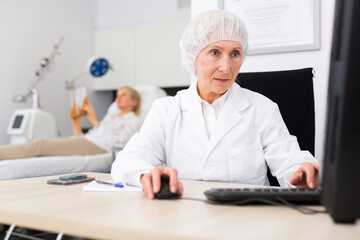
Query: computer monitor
{"x": 341, "y": 165}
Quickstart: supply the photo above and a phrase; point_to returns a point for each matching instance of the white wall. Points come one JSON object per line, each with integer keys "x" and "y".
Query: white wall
{"x": 115, "y": 13}
{"x": 29, "y": 29}
{"x": 318, "y": 59}
{"x": 142, "y": 54}
{"x": 139, "y": 38}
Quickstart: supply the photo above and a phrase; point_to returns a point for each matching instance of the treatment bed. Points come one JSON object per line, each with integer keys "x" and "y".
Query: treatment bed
{"x": 45, "y": 166}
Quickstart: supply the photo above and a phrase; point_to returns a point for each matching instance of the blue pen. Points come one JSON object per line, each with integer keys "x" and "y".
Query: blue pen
{"x": 119, "y": 185}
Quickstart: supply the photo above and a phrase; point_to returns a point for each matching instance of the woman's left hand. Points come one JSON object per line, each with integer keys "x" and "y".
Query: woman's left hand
{"x": 307, "y": 176}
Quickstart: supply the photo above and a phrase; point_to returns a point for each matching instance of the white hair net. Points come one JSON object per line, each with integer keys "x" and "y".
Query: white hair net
{"x": 209, "y": 27}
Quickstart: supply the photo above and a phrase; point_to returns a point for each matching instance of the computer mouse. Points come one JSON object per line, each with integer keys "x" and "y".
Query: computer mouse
{"x": 165, "y": 192}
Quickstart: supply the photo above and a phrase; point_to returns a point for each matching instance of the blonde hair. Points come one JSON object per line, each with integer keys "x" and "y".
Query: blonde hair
{"x": 135, "y": 95}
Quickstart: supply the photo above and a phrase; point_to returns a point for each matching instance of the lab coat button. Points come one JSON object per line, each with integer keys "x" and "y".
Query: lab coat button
{"x": 210, "y": 165}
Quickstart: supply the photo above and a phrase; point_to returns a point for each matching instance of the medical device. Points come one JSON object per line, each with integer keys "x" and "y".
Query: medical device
{"x": 31, "y": 123}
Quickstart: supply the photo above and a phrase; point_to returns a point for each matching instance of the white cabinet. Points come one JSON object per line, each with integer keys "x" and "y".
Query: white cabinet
{"x": 144, "y": 54}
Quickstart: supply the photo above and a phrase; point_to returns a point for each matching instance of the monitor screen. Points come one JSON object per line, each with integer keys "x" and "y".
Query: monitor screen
{"x": 17, "y": 121}
{"x": 341, "y": 165}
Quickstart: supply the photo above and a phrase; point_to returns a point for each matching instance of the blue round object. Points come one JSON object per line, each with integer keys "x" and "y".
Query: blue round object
{"x": 99, "y": 67}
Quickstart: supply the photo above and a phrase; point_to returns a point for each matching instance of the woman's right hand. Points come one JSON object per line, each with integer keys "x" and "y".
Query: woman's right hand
{"x": 151, "y": 181}
{"x": 90, "y": 113}
{"x": 76, "y": 122}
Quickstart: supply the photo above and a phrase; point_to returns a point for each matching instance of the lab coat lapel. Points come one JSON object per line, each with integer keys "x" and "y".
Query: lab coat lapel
{"x": 230, "y": 115}
{"x": 192, "y": 112}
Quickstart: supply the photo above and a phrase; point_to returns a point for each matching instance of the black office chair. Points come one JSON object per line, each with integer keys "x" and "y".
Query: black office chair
{"x": 293, "y": 91}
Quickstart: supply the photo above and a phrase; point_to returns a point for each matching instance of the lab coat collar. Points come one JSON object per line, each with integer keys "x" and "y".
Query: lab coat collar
{"x": 231, "y": 113}
{"x": 192, "y": 112}
{"x": 236, "y": 97}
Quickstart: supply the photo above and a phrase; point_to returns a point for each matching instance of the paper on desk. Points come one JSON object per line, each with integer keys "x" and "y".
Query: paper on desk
{"x": 97, "y": 187}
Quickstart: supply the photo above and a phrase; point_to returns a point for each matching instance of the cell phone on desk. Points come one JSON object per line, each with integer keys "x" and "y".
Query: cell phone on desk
{"x": 71, "y": 179}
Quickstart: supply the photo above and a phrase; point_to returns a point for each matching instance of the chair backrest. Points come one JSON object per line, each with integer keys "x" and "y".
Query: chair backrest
{"x": 293, "y": 92}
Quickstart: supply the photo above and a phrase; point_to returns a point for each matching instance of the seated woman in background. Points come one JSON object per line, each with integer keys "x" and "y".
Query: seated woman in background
{"x": 112, "y": 131}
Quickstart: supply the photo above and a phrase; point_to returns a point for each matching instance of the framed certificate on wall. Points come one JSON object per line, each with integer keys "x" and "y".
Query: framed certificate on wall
{"x": 276, "y": 26}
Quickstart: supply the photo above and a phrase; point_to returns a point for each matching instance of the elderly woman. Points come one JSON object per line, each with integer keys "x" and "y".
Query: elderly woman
{"x": 112, "y": 130}
{"x": 215, "y": 130}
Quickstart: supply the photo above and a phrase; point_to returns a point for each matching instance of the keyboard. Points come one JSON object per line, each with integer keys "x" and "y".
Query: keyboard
{"x": 238, "y": 196}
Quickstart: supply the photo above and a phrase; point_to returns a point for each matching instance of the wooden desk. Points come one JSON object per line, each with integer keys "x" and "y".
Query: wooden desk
{"x": 34, "y": 204}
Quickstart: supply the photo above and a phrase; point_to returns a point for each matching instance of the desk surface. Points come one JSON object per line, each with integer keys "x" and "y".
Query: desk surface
{"x": 34, "y": 204}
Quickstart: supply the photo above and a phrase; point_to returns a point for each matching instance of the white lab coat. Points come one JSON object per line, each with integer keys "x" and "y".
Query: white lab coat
{"x": 249, "y": 134}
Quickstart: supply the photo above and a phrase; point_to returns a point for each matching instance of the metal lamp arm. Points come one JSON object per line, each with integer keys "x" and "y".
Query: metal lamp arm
{"x": 69, "y": 84}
